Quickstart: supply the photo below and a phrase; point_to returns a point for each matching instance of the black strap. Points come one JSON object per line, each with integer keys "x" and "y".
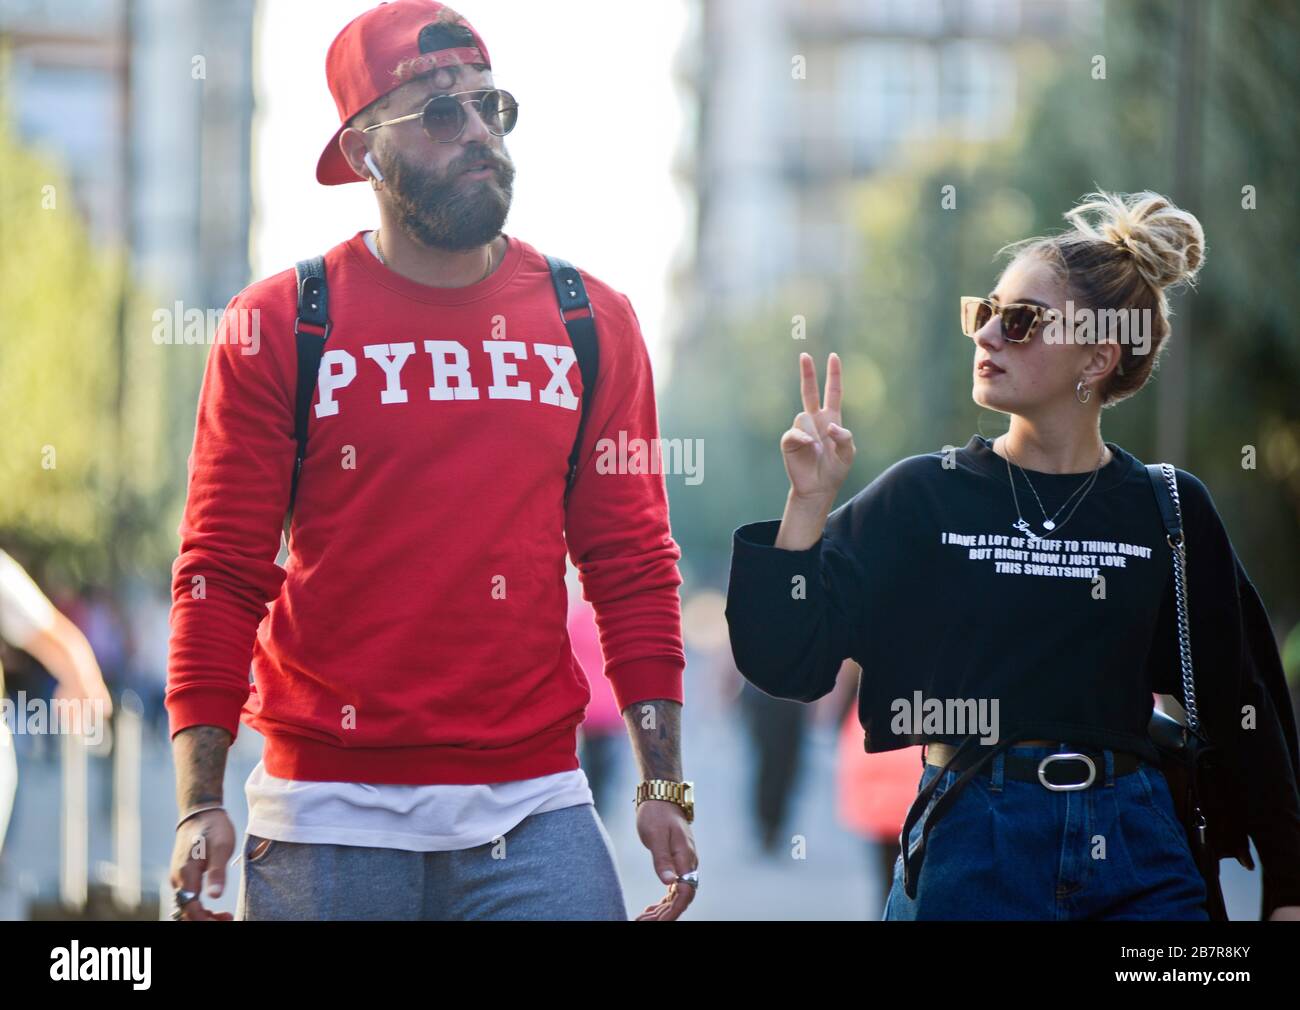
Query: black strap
{"x": 571, "y": 293}
{"x": 313, "y": 312}
{"x": 913, "y": 859}
{"x": 1168, "y": 511}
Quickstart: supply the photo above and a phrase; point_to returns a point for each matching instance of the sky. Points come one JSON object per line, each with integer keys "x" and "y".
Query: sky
{"x": 601, "y": 122}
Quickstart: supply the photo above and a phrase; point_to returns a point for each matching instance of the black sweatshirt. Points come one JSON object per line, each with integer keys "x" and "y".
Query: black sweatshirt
{"x": 924, "y": 580}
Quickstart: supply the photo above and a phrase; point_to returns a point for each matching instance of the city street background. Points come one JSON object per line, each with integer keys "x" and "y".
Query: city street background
{"x": 762, "y": 167}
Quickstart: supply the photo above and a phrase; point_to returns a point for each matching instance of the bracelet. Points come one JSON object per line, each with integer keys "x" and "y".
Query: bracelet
{"x": 200, "y": 810}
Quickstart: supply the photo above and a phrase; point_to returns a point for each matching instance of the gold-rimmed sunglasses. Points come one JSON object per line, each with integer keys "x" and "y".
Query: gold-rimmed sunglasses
{"x": 1019, "y": 319}
{"x": 443, "y": 116}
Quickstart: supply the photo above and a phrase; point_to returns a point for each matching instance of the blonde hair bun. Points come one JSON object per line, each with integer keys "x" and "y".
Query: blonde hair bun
{"x": 1167, "y": 243}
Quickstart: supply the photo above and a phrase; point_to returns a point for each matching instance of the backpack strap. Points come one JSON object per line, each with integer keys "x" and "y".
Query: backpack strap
{"x": 313, "y": 314}
{"x": 571, "y": 294}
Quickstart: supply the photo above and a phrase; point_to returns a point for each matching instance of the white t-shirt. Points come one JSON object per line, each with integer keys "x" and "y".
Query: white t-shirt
{"x": 24, "y": 613}
{"x": 24, "y": 610}
{"x": 433, "y": 818}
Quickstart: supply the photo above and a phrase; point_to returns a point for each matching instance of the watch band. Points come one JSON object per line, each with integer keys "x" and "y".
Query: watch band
{"x": 681, "y": 793}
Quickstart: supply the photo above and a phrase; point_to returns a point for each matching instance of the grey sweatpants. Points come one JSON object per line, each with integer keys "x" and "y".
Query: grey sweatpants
{"x": 553, "y": 865}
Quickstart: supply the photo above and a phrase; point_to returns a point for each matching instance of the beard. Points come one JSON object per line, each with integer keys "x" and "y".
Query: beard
{"x": 439, "y": 210}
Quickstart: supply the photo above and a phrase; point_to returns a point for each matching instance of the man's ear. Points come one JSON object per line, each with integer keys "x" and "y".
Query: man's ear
{"x": 352, "y": 143}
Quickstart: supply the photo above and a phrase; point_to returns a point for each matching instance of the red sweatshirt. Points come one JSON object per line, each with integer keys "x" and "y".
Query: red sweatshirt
{"x": 417, "y": 631}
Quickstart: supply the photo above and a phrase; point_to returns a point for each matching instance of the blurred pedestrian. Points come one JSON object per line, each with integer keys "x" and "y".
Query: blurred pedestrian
{"x": 29, "y": 621}
{"x": 602, "y": 731}
{"x": 777, "y": 729}
{"x": 872, "y": 795}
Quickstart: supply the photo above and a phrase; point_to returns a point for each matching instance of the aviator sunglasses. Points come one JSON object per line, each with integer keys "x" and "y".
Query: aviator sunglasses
{"x": 443, "y": 116}
{"x": 1019, "y": 319}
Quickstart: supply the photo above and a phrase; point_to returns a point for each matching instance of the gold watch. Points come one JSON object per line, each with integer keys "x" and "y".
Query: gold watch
{"x": 681, "y": 793}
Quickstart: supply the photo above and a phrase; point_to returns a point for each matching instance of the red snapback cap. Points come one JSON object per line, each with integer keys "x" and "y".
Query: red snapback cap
{"x": 379, "y": 51}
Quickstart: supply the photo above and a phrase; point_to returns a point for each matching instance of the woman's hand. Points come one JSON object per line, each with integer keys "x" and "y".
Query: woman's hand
{"x": 818, "y": 454}
{"x": 817, "y": 451}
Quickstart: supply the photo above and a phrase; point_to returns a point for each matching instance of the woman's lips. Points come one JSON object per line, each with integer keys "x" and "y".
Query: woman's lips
{"x": 988, "y": 370}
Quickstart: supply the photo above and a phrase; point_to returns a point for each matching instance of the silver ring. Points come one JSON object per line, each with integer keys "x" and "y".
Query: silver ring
{"x": 183, "y": 897}
{"x": 691, "y": 877}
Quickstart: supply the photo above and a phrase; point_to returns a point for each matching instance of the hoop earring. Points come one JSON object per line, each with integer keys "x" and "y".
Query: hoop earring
{"x": 1081, "y": 391}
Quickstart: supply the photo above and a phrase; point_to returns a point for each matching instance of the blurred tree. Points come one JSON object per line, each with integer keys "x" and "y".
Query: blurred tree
{"x": 74, "y": 469}
{"x": 907, "y": 378}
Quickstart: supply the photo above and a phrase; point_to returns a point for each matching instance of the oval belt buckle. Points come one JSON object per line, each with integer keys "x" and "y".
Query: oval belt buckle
{"x": 1042, "y": 772}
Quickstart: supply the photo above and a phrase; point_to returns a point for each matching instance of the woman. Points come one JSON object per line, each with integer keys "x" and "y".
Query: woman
{"x": 1017, "y": 595}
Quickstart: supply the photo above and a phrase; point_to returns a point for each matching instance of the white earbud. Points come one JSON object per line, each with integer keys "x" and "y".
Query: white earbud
{"x": 369, "y": 159}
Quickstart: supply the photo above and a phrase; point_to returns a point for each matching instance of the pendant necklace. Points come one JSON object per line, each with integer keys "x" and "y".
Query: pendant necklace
{"x": 1021, "y": 524}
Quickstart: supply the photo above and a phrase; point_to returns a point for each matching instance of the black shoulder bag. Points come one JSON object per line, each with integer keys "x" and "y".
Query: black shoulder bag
{"x": 1187, "y": 759}
{"x": 313, "y": 315}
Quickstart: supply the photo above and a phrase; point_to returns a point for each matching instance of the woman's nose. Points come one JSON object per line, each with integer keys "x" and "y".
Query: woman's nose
{"x": 989, "y": 336}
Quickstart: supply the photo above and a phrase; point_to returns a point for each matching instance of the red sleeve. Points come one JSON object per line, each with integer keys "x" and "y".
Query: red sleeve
{"x": 617, "y": 523}
{"x": 239, "y": 472}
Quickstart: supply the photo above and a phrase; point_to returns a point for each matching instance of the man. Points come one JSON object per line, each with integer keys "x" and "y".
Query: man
{"x": 413, "y": 678}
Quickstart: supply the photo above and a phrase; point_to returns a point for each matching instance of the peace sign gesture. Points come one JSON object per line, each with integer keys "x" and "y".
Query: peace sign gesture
{"x": 817, "y": 451}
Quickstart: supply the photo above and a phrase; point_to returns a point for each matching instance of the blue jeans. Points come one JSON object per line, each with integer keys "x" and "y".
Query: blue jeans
{"x": 1008, "y": 849}
{"x": 553, "y": 865}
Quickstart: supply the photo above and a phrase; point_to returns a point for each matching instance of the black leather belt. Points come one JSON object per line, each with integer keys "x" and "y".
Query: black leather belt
{"x": 1064, "y": 771}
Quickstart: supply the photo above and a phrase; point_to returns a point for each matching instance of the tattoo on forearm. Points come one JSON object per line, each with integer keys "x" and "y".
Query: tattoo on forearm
{"x": 200, "y": 756}
{"x": 654, "y": 728}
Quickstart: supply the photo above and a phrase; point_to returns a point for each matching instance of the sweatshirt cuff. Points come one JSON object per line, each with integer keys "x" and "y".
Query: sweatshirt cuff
{"x": 753, "y": 554}
{"x": 655, "y": 678}
{"x": 205, "y": 706}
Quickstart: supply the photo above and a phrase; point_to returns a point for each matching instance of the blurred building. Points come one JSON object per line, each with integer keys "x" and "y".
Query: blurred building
{"x": 148, "y": 106}
{"x": 776, "y": 154}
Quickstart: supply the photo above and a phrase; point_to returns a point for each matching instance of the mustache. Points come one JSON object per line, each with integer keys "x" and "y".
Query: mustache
{"x": 493, "y": 160}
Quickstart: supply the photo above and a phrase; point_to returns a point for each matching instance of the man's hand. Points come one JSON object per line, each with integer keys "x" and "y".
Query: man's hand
{"x": 655, "y": 730}
{"x": 663, "y": 829}
{"x": 205, "y": 842}
{"x": 203, "y": 847}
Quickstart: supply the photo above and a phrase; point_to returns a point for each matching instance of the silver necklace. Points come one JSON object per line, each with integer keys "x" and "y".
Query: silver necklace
{"x": 1049, "y": 524}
